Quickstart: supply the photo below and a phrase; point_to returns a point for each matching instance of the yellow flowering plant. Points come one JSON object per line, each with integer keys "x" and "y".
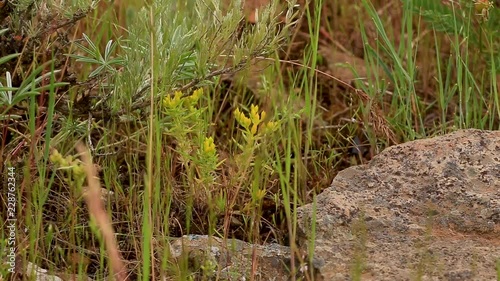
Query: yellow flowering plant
{"x": 75, "y": 173}
{"x": 255, "y": 130}
{"x": 184, "y": 122}
{"x": 254, "y": 125}
{"x": 171, "y": 102}
{"x": 207, "y": 161}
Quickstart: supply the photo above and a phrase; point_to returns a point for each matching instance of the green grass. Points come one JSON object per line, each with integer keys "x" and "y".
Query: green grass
{"x": 215, "y": 163}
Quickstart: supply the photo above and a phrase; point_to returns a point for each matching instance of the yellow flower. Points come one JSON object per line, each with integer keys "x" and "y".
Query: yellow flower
{"x": 242, "y": 119}
{"x": 196, "y": 95}
{"x": 246, "y": 121}
{"x": 172, "y": 102}
{"x": 209, "y": 146}
{"x": 69, "y": 160}
{"x": 271, "y": 126}
{"x": 254, "y": 129}
{"x": 56, "y": 157}
{"x": 78, "y": 170}
{"x": 262, "y": 116}
{"x": 254, "y": 114}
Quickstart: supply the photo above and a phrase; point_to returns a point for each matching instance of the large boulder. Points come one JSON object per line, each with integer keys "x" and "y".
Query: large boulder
{"x": 422, "y": 210}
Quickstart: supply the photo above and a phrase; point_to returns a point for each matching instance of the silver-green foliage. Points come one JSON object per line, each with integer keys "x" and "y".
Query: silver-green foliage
{"x": 106, "y": 62}
{"x": 193, "y": 42}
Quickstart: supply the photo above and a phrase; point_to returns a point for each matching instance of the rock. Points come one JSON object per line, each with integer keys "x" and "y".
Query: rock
{"x": 214, "y": 258}
{"x": 40, "y": 274}
{"x": 423, "y": 210}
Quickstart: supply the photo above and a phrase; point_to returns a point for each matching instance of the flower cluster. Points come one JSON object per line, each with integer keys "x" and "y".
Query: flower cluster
{"x": 185, "y": 122}
{"x": 171, "y": 102}
{"x": 252, "y": 122}
{"x": 209, "y": 146}
{"x": 74, "y": 167}
{"x": 67, "y": 163}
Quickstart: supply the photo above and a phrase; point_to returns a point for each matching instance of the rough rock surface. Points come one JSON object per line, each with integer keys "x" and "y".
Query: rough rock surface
{"x": 423, "y": 210}
{"x": 232, "y": 259}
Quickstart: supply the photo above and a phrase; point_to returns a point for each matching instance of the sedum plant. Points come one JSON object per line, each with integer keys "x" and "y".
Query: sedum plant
{"x": 183, "y": 121}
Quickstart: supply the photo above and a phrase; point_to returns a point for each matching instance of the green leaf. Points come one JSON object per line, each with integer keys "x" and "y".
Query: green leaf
{"x": 110, "y": 47}
{"x": 8, "y": 88}
{"x": 85, "y": 59}
{"x": 8, "y": 57}
{"x": 20, "y": 97}
{"x": 87, "y": 50}
{"x": 92, "y": 45}
{"x": 97, "y": 71}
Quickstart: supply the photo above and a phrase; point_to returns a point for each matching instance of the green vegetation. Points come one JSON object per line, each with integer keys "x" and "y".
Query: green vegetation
{"x": 199, "y": 121}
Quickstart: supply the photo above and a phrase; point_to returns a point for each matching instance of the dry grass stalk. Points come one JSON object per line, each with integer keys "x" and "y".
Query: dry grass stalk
{"x": 96, "y": 209}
